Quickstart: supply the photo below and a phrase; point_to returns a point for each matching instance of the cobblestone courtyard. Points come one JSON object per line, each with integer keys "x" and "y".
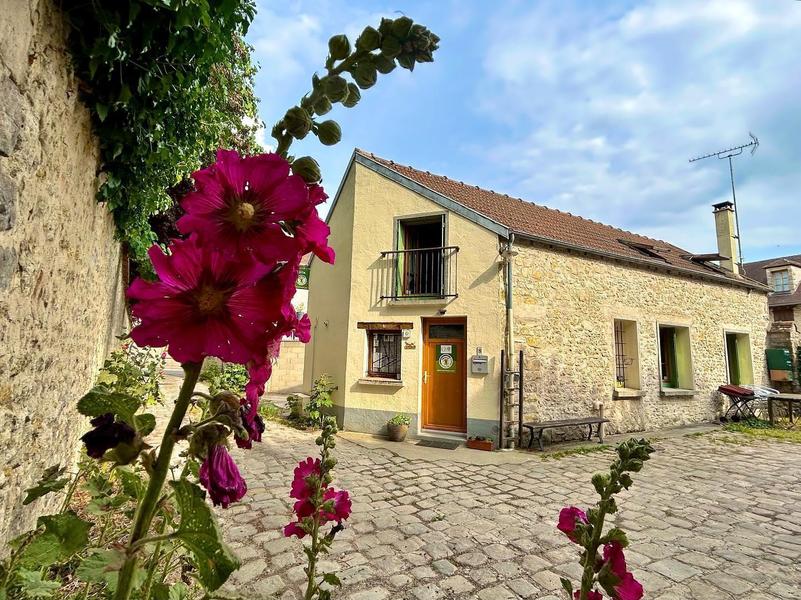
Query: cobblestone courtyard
{"x": 711, "y": 517}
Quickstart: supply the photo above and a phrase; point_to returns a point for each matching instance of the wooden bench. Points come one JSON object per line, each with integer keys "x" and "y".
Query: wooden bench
{"x": 543, "y": 425}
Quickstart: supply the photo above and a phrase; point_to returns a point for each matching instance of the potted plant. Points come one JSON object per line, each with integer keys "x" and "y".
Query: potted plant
{"x": 480, "y": 443}
{"x": 398, "y": 427}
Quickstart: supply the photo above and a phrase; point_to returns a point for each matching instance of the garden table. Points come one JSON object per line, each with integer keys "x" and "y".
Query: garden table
{"x": 790, "y": 399}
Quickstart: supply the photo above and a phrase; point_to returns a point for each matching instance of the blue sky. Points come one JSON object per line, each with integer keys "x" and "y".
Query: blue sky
{"x": 589, "y": 107}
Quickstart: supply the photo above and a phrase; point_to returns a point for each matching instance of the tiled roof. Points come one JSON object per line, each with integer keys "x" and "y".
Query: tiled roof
{"x": 538, "y": 222}
{"x": 756, "y": 271}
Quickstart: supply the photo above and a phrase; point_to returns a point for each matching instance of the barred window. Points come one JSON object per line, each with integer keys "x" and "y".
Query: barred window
{"x": 384, "y": 354}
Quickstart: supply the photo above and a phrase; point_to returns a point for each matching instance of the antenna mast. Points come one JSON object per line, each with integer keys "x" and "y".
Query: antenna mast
{"x": 731, "y": 153}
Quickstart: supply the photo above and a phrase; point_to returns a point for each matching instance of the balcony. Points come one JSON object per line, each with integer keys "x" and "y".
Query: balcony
{"x": 423, "y": 273}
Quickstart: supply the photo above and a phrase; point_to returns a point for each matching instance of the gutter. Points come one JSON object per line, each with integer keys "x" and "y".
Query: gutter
{"x": 506, "y": 438}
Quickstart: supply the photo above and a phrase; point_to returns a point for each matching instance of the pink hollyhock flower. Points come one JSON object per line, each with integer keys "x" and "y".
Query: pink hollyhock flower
{"x": 294, "y": 529}
{"x": 591, "y": 595}
{"x": 627, "y": 588}
{"x": 207, "y": 305}
{"x": 569, "y": 516}
{"x": 341, "y": 507}
{"x": 240, "y": 202}
{"x": 303, "y": 508}
{"x": 220, "y": 476}
{"x": 313, "y": 233}
{"x": 305, "y": 469}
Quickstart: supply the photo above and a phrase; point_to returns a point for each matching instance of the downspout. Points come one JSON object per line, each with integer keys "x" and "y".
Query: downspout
{"x": 508, "y": 380}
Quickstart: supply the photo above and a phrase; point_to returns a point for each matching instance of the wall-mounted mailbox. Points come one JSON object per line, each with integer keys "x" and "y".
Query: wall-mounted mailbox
{"x": 780, "y": 364}
{"x": 479, "y": 364}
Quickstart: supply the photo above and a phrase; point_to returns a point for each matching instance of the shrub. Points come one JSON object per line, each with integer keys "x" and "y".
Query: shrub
{"x": 220, "y": 376}
{"x": 400, "y": 419}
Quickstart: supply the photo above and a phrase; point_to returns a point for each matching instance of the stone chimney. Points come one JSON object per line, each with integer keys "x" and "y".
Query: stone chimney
{"x": 727, "y": 236}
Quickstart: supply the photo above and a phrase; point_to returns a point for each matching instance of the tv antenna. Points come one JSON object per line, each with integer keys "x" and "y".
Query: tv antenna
{"x": 731, "y": 153}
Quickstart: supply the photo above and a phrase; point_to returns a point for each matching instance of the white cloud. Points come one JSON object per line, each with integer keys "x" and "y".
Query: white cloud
{"x": 598, "y": 109}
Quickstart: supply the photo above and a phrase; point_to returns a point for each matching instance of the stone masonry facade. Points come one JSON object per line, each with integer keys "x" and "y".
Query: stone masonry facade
{"x": 61, "y": 296}
{"x": 565, "y": 305}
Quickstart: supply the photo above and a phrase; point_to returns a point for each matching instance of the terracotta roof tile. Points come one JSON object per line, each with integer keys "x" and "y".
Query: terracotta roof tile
{"x": 537, "y": 221}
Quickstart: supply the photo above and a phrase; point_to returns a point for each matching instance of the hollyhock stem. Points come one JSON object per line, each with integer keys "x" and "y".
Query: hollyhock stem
{"x": 149, "y": 503}
{"x": 592, "y": 551}
{"x": 312, "y": 572}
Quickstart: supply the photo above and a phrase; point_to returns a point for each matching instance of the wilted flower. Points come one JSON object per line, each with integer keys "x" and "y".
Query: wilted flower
{"x": 107, "y": 434}
{"x": 208, "y": 305}
{"x": 568, "y": 518}
{"x": 253, "y": 424}
{"x": 220, "y": 476}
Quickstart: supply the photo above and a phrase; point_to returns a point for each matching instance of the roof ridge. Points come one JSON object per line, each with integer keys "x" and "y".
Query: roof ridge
{"x": 529, "y": 202}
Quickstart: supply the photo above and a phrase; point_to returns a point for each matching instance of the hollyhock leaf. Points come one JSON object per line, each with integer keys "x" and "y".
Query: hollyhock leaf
{"x": 51, "y": 481}
{"x": 145, "y": 423}
{"x": 200, "y": 535}
{"x": 616, "y": 535}
{"x": 103, "y": 566}
{"x": 567, "y": 585}
{"x": 33, "y": 585}
{"x": 63, "y": 535}
{"x": 99, "y": 401}
{"x": 131, "y": 482}
{"x": 173, "y": 591}
{"x": 331, "y": 579}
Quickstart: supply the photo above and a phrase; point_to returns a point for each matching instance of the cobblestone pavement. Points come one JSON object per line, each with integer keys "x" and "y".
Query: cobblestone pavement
{"x": 707, "y": 519}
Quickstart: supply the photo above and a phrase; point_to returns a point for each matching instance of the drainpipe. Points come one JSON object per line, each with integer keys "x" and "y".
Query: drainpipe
{"x": 509, "y": 385}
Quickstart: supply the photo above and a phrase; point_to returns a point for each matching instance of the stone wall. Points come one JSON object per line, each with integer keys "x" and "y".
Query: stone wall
{"x": 61, "y": 296}
{"x": 287, "y": 374}
{"x": 787, "y": 334}
{"x": 565, "y": 306}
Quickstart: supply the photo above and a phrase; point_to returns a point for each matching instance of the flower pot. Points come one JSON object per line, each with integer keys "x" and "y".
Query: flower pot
{"x": 480, "y": 445}
{"x": 397, "y": 433}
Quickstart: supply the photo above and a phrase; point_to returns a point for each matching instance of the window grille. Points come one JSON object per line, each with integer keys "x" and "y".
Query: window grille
{"x": 620, "y": 355}
{"x": 385, "y": 354}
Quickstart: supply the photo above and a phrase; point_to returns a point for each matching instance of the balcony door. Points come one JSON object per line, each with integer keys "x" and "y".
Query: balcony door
{"x": 420, "y": 246}
{"x": 444, "y": 403}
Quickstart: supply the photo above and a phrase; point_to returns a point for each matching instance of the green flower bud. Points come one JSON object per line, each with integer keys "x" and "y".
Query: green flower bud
{"x": 390, "y": 46}
{"x": 369, "y": 40}
{"x": 336, "y": 88}
{"x": 365, "y": 75}
{"x": 406, "y": 61}
{"x": 297, "y": 122}
{"x": 339, "y": 47}
{"x": 401, "y": 27}
{"x": 319, "y": 441}
{"x": 307, "y": 168}
{"x": 354, "y": 95}
{"x": 322, "y": 106}
{"x": 384, "y": 64}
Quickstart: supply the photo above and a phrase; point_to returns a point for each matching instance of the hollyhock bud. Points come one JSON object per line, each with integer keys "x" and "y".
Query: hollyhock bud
{"x": 322, "y": 105}
{"x": 569, "y": 517}
{"x": 335, "y": 87}
{"x": 339, "y": 47}
{"x": 307, "y": 168}
{"x": 329, "y": 133}
{"x": 384, "y": 64}
{"x": 369, "y": 40}
{"x": 297, "y": 122}
{"x": 365, "y": 74}
{"x": 107, "y": 434}
{"x": 221, "y": 478}
{"x": 353, "y": 97}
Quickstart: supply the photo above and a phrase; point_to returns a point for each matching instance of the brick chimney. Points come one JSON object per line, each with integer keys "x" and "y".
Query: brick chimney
{"x": 727, "y": 236}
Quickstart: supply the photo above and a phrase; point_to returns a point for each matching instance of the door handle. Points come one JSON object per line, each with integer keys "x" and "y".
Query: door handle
{"x": 425, "y": 376}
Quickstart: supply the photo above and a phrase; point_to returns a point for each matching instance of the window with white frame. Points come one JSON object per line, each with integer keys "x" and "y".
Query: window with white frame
{"x": 781, "y": 280}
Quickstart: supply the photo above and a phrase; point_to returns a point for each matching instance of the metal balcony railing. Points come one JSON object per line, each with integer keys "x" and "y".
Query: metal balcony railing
{"x": 419, "y": 273}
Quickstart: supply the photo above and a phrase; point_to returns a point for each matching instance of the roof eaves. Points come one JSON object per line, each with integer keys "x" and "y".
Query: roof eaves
{"x": 658, "y": 264}
{"x": 440, "y": 199}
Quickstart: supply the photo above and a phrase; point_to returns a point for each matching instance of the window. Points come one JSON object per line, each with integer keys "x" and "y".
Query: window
{"x": 781, "y": 280}
{"x": 420, "y": 256}
{"x": 675, "y": 362}
{"x": 384, "y": 354}
{"x": 627, "y": 367}
{"x": 738, "y": 358}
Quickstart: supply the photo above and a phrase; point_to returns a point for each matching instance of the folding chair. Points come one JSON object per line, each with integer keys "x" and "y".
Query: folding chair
{"x": 741, "y": 399}
{"x": 761, "y": 392}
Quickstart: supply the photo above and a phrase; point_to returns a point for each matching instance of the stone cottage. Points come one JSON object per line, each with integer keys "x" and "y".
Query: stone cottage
{"x": 444, "y": 276}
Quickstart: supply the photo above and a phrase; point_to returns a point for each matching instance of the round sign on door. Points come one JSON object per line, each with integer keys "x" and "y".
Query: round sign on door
{"x": 446, "y": 358}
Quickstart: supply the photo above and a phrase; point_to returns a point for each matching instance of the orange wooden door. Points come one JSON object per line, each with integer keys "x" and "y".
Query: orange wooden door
{"x": 444, "y": 375}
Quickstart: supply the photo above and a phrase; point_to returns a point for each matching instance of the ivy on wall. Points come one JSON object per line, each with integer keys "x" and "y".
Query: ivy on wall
{"x": 168, "y": 82}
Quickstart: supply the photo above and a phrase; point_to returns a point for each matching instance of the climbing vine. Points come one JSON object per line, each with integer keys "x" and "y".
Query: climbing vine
{"x": 167, "y": 83}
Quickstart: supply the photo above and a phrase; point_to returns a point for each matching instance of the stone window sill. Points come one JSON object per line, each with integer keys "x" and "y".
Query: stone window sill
{"x": 627, "y": 393}
{"x": 424, "y": 300}
{"x": 380, "y": 382}
{"x": 677, "y": 392}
